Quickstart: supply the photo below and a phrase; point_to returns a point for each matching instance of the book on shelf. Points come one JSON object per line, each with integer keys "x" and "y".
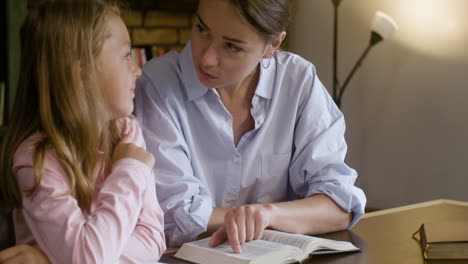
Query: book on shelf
{"x": 158, "y": 51}
{"x": 139, "y": 56}
{"x": 272, "y": 247}
{"x": 444, "y": 240}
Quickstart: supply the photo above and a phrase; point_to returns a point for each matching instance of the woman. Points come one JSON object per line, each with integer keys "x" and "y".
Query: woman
{"x": 245, "y": 137}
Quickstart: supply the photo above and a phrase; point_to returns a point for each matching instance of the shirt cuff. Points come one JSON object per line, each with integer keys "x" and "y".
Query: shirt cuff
{"x": 190, "y": 220}
{"x": 350, "y": 199}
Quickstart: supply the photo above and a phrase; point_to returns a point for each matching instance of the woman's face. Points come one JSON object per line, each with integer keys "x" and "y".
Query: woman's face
{"x": 225, "y": 48}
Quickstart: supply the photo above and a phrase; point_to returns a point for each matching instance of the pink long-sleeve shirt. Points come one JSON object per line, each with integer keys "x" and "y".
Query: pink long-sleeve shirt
{"x": 125, "y": 223}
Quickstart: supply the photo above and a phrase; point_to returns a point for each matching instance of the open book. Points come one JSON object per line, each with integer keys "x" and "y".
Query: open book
{"x": 273, "y": 247}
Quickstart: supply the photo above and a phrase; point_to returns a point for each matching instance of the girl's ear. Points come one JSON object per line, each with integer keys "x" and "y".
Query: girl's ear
{"x": 272, "y": 47}
{"x": 76, "y": 73}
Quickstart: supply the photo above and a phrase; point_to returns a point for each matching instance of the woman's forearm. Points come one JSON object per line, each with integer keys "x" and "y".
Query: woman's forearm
{"x": 317, "y": 214}
{"x": 314, "y": 215}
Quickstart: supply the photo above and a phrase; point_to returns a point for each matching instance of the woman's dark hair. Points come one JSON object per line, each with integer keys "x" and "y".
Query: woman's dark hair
{"x": 268, "y": 17}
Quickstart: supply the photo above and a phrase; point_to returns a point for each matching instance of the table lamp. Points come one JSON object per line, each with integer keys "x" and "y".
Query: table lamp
{"x": 383, "y": 26}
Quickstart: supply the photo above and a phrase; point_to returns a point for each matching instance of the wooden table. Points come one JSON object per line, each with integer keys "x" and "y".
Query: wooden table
{"x": 385, "y": 237}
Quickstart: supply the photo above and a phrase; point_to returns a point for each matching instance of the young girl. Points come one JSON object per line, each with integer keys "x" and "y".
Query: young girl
{"x": 73, "y": 164}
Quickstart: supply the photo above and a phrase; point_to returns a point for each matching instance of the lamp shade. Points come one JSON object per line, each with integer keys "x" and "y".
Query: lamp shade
{"x": 384, "y": 25}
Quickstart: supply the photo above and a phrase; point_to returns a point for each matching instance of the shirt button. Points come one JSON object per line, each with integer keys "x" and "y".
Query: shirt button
{"x": 236, "y": 159}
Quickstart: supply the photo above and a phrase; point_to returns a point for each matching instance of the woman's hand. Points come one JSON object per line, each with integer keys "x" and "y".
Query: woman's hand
{"x": 243, "y": 224}
{"x": 126, "y": 149}
{"x": 23, "y": 254}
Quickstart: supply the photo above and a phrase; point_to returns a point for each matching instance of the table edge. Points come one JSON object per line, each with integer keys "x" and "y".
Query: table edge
{"x": 413, "y": 206}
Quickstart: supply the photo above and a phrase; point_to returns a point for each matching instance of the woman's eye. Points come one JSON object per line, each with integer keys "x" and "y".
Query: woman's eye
{"x": 233, "y": 47}
{"x": 200, "y": 28}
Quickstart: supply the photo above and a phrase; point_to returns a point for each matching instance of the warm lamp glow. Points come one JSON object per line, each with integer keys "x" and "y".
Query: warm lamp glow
{"x": 384, "y": 25}
{"x": 434, "y": 27}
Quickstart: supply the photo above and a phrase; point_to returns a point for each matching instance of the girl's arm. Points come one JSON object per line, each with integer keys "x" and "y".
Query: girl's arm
{"x": 147, "y": 242}
{"x": 59, "y": 226}
{"x": 64, "y": 232}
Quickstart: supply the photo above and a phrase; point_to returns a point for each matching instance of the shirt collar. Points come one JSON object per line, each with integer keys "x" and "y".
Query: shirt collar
{"x": 196, "y": 89}
{"x": 192, "y": 84}
{"x": 266, "y": 80}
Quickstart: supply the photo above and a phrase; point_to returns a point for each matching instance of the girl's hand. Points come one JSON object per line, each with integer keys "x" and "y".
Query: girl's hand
{"x": 23, "y": 254}
{"x": 126, "y": 149}
{"x": 243, "y": 224}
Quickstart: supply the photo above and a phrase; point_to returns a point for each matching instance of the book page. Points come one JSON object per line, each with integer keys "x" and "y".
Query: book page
{"x": 328, "y": 246}
{"x": 256, "y": 251}
{"x": 308, "y": 243}
{"x": 299, "y": 241}
{"x": 250, "y": 250}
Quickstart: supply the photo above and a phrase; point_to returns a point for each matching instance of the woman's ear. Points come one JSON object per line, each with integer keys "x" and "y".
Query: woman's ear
{"x": 273, "y": 47}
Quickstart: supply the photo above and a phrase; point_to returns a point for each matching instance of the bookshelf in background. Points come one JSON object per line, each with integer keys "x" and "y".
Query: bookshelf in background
{"x": 142, "y": 54}
{"x": 157, "y": 27}
{"x": 158, "y": 51}
{"x": 189, "y": 5}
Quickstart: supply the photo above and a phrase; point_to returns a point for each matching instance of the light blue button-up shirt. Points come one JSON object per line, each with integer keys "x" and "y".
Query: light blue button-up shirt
{"x": 296, "y": 149}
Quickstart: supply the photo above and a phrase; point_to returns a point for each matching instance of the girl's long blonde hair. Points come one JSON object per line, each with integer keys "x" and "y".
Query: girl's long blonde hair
{"x": 71, "y": 116}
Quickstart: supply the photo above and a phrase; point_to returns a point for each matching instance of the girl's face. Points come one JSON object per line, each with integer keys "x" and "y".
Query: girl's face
{"x": 117, "y": 72}
{"x": 225, "y": 48}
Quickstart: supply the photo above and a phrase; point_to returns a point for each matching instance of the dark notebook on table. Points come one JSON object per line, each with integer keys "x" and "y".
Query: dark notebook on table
{"x": 444, "y": 240}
